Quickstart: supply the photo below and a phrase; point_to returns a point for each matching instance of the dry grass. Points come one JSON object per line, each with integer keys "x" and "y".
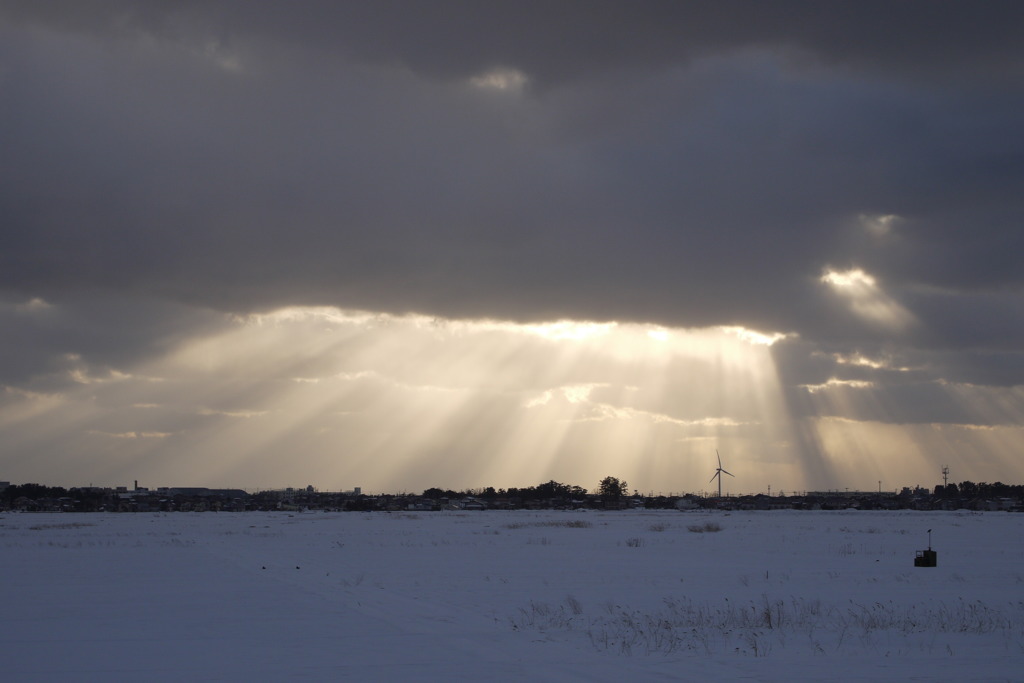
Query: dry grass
{"x": 569, "y": 524}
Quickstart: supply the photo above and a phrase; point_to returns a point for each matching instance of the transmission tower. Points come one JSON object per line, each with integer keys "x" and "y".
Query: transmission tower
{"x": 945, "y": 476}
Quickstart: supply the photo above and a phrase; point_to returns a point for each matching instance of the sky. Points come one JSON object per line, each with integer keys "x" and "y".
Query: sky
{"x": 400, "y": 245}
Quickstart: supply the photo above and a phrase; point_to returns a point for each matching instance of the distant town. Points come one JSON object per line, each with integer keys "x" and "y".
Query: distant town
{"x": 611, "y": 494}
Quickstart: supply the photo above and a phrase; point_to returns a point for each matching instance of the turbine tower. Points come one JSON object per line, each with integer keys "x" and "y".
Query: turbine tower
{"x": 718, "y": 474}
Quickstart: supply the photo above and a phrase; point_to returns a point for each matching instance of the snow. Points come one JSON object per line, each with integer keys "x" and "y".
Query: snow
{"x": 548, "y": 596}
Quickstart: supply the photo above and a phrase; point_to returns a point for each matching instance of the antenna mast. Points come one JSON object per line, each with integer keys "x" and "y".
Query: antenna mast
{"x": 945, "y": 476}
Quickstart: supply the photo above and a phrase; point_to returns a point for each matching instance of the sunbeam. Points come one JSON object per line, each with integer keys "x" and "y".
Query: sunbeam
{"x": 339, "y": 399}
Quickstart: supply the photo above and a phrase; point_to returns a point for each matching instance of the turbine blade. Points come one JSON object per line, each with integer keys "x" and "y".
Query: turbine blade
{"x": 730, "y": 474}
{"x": 712, "y": 478}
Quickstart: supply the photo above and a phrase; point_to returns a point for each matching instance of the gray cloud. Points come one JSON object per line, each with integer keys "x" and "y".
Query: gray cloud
{"x": 573, "y": 38}
{"x": 687, "y": 164}
{"x": 642, "y": 190}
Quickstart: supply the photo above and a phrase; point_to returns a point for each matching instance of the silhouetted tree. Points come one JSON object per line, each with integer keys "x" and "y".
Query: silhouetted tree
{"x": 611, "y": 488}
{"x": 553, "y": 489}
{"x": 33, "y": 491}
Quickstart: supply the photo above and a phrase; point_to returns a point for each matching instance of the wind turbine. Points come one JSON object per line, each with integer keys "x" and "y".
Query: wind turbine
{"x": 718, "y": 474}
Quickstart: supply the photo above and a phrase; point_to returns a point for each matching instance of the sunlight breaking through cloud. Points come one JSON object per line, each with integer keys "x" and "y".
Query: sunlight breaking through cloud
{"x": 862, "y": 452}
{"x": 501, "y": 79}
{"x": 852, "y": 279}
{"x": 383, "y": 401}
{"x": 834, "y": 382}
{"x": 243, "y": 414}
{"x": 866, "y": 299}
{"x": 33, "y": 305}
{"x": 860, "y": 360}
{"x": 82, "y": 376}
{"x": 753, "y": 336}
{"x": 351, "y": 398}
{"x": 879, "y": 225}
{"x": 131, "y": 435}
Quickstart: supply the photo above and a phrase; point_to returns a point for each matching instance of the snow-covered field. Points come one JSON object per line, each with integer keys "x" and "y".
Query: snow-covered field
{"x": 544, "y": 596}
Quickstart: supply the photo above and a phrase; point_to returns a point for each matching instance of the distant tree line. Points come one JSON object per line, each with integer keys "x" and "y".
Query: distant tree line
{"x": 610, "y": 488}
{"x": 96, "y": 498}
{"x": 609, "y": 491}
{"x": 85, "y": 499}
{"x": 33, "y": 491}
{"x": 968, "y": 489}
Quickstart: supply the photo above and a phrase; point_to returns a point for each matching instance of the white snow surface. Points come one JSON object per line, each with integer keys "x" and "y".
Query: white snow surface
{"x": 508, "y": 596}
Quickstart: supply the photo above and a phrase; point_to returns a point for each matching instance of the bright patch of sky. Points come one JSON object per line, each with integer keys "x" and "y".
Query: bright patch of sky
{"x": 867, "y": 300}
{"x": 833, "y": 383}
{"x": 348, "y": 398}
{"x": 502, "y": 79}
{"x": 879, "y": 225}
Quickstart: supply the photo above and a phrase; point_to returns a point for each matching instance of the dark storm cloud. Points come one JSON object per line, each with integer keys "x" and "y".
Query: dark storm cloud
{"x": 41, "y": 344}
{"x": 687, "y": 163}
{"x": 556, "y": 41}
